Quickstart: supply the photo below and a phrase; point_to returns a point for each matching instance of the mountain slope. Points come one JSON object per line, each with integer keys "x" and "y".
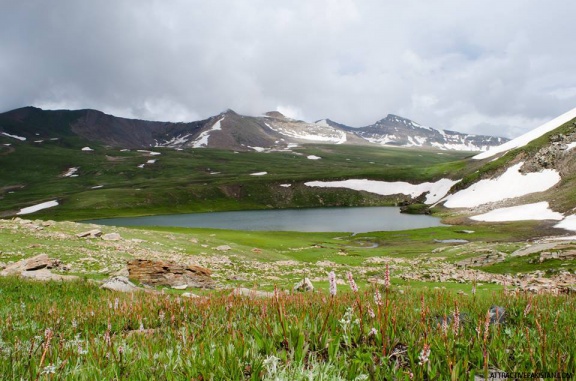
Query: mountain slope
{"x": 535, "y": 178}
{"x": 229, "y": 130}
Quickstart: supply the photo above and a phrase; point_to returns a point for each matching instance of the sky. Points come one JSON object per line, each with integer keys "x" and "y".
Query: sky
{"x": 485, "y": 67}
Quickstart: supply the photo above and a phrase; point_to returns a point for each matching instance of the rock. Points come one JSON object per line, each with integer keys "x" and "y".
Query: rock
{"x": 119, "y": 283}
{"x": 180, "y": 287}
{"x": 304, "y": 285}
{"x": 251, "y": 293}
{"x": 223, "y": 248}
{"x": 46, "y": 275}
{"x": 94, "y": 233}
{"x": 194, "y": 240}
{"x": 256, "y": 250}
{"x": 237, "y": 277}
{"x": 163, "y": 273}
{"x": 189, "y": 295}
{"x": 30, "y": 264}
{"x": 111, "y": 237}
{"x": 497, "y": 315}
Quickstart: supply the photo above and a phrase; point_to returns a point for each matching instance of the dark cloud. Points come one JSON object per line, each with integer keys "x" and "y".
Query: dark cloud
{"x": 487, "y": 67}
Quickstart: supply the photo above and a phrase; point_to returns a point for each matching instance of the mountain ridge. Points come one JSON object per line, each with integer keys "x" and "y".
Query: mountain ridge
{"x": 230, "y": 130}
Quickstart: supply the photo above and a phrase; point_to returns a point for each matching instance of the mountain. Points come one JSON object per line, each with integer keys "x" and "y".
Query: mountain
{"x": 398, "y": 131}
{"x": 229, "y": 130}
{"x": 532, "y": 177}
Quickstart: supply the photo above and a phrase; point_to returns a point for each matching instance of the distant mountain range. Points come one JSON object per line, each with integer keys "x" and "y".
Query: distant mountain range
{"x": 229, "y": 130}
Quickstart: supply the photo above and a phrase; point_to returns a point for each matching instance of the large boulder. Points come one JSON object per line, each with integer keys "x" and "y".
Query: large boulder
{"x": 163, "y": 273}
{"x": 46, "y": 275}
{"x": 119, "y": 283}
{"x": 38, "y": 262}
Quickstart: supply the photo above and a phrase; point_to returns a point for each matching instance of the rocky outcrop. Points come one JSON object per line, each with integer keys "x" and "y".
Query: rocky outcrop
{"x": 170, "y": 274}
{"x": 482, "y": 260}
{"x": 37, "y": 268}
{"x": 304, "y": 285}
{"x": 94, "y": 233}
{"x": 251, "y": 293}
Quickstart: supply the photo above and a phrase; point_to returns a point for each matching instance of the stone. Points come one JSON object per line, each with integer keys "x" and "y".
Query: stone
{"x": 94, "y": 233}
{"x": 164, "y": 273}
{"x": 497, "y": 314}
{"x": 111, "y": 237}
{"x": 30, "y": 264}
{"x": 120, "y": 284}
{"x": 223, "y": 248}
{"x": 46, "y": 275}
{"x": 180, "y": 287}
{"x": 251, "y": 293}
{"x": 189, "y": 295}
{"x": 304, "y": 285}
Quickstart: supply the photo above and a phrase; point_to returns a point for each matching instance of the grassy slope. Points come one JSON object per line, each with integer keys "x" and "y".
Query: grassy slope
{"x": 181, "y": 181}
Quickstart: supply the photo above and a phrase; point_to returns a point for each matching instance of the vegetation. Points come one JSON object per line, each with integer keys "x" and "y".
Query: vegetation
{"x": 74, "y": 331}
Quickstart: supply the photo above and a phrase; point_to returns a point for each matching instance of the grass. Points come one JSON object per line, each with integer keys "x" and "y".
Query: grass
{"x": 198, "y": 180}
{"x": 74, "y": 331}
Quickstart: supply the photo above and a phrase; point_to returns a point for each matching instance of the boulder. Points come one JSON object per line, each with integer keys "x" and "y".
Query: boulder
{"x": 304, "y": 285}
{"x": 251, "y": 293}
{"x": 497, "y": 315}
{"x": 164, "y": 273}
{"x": 111, "y": 237}
{"x": 38, "y": 262}
{"x": 94, "y": 233}
{"x": 119, "y": 283}
{"x": 46, "y": 275}
{"x": 223, "y": 248}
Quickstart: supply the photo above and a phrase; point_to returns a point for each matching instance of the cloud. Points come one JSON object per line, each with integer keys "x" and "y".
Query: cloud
{"x": 489, "y": 67}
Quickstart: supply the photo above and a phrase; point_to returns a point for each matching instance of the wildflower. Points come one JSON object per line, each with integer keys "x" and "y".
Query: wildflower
{"x": 49, "y": 369}
{"x": 120, "y": 350}
{"x": 116, "y": 302}
{"x": 351, "y": 282}
{"x": 74, "y": 323}
{"x": 161, "y": 316}
{"x": 424, "y": 356}
{"x": 81, "y": 351}
{"x": 271, "y": 365}
{"x": 48, "y": 333}
{"x": 377, "y": 298}
{"x": 387, "y": 276}
{"x": 107, "y": 339}
{"x": 373, "y": 332}
{"x": 456, "y": 320}
{"x": 332, "y": 281}
{"x": 445, "y": 326}
{"x": 141, "y": 326}
{"x": 528, "y": 308}
{"x": 486, "y": 325}
{"x": 371, "y": 312}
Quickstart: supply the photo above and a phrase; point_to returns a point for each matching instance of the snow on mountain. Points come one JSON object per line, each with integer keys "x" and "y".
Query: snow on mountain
{"x": 318, "y": 132}
{"x": 529, "y": 136}
{"x": 510, "y": 184}
{"x": 435, "y": 190}
{"x": 535, "y": 211}
{"x": 14, "y": 136}
{"x": 35, "y": 208}
{"x": 202, "y": 139}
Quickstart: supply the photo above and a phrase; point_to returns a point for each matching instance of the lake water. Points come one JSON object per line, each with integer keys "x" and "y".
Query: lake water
{"x": 354, "y": 220}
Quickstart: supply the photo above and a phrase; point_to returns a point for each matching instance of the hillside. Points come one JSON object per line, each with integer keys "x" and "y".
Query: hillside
{"x": 229, "y": 130}
{"x": 532, "y": 177}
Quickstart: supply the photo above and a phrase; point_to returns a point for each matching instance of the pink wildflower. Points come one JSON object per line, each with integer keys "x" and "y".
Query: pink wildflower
{"x": 351, "y": 282}
{"x": 332, "y": 281}
{"x": 424, "y": 356}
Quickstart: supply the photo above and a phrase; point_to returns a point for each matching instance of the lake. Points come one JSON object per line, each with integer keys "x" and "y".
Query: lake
{"x": 354, "y": 220}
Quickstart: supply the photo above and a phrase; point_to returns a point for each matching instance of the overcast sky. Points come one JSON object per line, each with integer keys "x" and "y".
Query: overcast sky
{"x": 491, "y": 67}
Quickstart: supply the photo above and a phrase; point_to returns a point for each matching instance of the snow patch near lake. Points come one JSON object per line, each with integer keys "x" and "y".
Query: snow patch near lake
{"x": 35, "y": 208}
{"x": 568, "y": 223}
{"x": 435, "y": 190}
{"x": 536, "y": 211}
{"x": 313, "y": 157}
{"x": 258, "y": 173}
{"x": 529, "y": 136}
{"x": 510, "y": 184}
{"x": 14, "y": 136}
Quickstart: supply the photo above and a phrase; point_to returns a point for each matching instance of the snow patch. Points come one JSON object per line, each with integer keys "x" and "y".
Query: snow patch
{"x": 568, "y": 223}
{"x": 97, "y": 187}
{"x": 536, "y": 211}
{"x": 570, "y": 146}
{"x": 151, "y": 153}
{"x": 258, "y": 173}
{"x": 71, "y": 172}
{"x": 202, "y": 139}
{"x": 258, "y": 149}
{"x": 529, "y": 136}
{"x": 151, "y": 161}
{"x": 285, "y": 185}
{"x": 14, "y": 136}
{"x": 435, "y": 190}
{"x": 35, "y": 208}
{"x": 510, "y": 184}
{"x": 313, "y": 157}
{"x": 141, "y": 166}
{"x": 87, "y": 149}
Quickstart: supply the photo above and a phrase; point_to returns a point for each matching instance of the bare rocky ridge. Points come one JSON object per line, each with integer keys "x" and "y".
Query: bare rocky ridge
{"x": 163, "y": 273}
{"x": 229, "y": 130}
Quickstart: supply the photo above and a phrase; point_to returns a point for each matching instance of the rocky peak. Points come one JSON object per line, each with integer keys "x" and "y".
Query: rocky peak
{"x": 275, "y": 114}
